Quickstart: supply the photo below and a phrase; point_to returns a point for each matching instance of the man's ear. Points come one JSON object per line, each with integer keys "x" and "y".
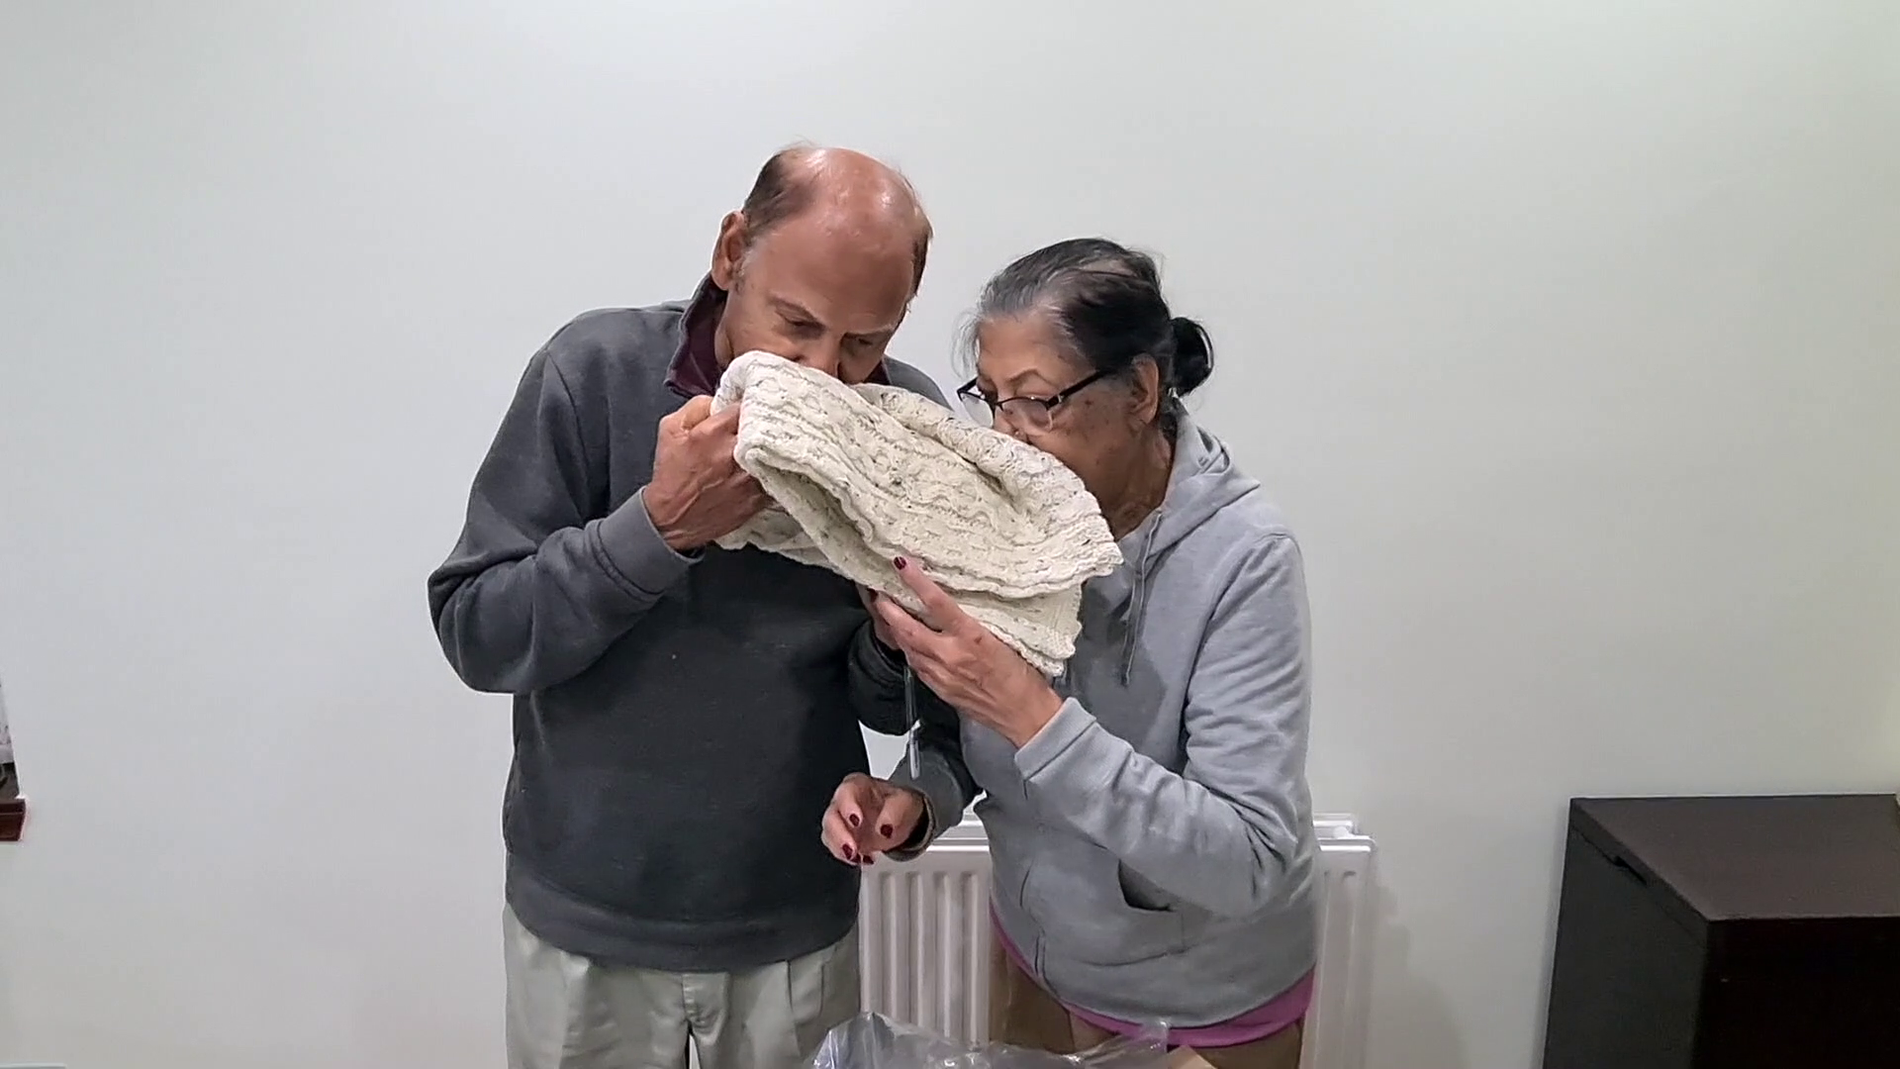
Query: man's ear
{"x": 729, "y": 250}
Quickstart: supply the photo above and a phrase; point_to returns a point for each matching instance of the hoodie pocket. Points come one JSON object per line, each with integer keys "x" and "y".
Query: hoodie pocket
{"x": 1078, "y": 900}
{"x": 1140, "y": 895}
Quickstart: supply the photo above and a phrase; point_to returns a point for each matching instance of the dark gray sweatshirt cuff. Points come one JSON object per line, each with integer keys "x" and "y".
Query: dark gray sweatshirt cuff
{"x": 944, "y": 800}
{"x": 632, "y": 551}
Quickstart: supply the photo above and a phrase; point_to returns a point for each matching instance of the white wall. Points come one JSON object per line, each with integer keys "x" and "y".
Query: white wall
{"x": 1568, "y": 333}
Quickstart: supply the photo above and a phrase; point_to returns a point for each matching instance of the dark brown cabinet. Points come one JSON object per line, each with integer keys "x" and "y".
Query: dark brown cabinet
{"x": 1728, "y": 933}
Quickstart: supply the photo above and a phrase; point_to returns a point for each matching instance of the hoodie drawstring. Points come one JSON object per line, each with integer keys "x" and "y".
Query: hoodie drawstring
{"x": 1138, "y": 604}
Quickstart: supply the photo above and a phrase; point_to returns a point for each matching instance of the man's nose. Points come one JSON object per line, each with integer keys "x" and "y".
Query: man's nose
{"x": 826, "y": 355}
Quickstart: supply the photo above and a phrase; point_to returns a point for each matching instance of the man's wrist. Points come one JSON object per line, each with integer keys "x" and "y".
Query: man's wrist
{"x": 631, "y": 545}
{"x": 665, "y": 523}
{"x": 919, "y": 836}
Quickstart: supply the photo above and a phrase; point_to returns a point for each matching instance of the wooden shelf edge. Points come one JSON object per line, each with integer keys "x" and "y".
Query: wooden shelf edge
{"x": 12, "y": 819}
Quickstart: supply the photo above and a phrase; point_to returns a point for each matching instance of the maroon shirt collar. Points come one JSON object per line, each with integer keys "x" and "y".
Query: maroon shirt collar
{"x": 694, "y": 371}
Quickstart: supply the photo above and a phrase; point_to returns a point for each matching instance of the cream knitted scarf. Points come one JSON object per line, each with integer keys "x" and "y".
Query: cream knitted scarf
{"x": 864, "y": 474}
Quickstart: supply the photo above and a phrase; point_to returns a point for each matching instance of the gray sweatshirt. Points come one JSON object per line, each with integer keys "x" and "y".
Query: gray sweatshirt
{"x": 1153, "y": 845}
{"x": 680, "y": 722}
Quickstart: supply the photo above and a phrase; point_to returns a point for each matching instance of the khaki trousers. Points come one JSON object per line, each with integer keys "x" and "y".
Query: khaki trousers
{"x": 1023, "y": 1014}
{"x": 567, "y": 1012}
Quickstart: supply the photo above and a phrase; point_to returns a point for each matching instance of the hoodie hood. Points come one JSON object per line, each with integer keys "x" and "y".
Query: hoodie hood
{"x": 1203, "y": 482}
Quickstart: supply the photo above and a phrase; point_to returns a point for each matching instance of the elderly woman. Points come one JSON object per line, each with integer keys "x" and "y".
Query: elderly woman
{"x": 1147, "y": 812}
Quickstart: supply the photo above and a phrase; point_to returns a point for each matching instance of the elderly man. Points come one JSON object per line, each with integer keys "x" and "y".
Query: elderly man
{"x": 681, "y": 713}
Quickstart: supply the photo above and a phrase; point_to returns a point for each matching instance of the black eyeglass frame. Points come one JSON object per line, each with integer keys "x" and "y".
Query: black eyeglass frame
{"x": 973, "y": 398}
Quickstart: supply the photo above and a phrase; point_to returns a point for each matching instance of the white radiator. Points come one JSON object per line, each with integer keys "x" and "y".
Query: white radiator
{"x": 924, "y": 937}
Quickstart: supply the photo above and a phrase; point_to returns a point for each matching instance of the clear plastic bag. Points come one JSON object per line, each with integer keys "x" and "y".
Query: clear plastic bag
{"x": 873, "y": 1041}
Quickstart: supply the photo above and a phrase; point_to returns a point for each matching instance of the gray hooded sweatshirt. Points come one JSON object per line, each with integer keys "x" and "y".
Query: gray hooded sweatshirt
{"x": 1153, "y": 845}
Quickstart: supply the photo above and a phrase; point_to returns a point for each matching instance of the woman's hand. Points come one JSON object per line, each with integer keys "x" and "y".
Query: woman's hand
{"x": 965, "y": 664}
{"x": 868, "y": 817}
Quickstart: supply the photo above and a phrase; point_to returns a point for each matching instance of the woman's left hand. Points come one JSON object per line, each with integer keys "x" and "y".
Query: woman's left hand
{"x": 964, "y": 663}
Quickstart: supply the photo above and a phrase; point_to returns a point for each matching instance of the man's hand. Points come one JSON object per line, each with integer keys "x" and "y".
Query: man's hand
{"x": 698, "y": 493}
{"x": 883, "y": 633}
{"x": 868, "y": 817}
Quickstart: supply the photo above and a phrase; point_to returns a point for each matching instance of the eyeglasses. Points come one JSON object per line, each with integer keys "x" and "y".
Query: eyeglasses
{"x": 1029, "y": 413}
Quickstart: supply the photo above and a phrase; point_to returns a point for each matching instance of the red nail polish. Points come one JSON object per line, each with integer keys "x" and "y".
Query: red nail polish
{"x": 850, "y": 855}
{"x": 885, "y": 830}
{"x": 852, "y": 819}
{"x": 901, "y": 563}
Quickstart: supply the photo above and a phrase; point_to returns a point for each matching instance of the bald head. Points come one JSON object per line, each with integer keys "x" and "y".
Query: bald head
{"x": 847, "y": 190}
{"x": 821, "y": 263}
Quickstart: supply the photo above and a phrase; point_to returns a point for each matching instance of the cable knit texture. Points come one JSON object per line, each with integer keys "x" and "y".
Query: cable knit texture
{"x": 864, "y": 474}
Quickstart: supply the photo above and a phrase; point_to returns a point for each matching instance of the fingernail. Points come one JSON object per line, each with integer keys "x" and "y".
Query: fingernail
{"x": 852, "y": 820}
{"x": 850, "y": 854}
{"x": 901, "y": 563}
{"x": 884, "y": 830}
